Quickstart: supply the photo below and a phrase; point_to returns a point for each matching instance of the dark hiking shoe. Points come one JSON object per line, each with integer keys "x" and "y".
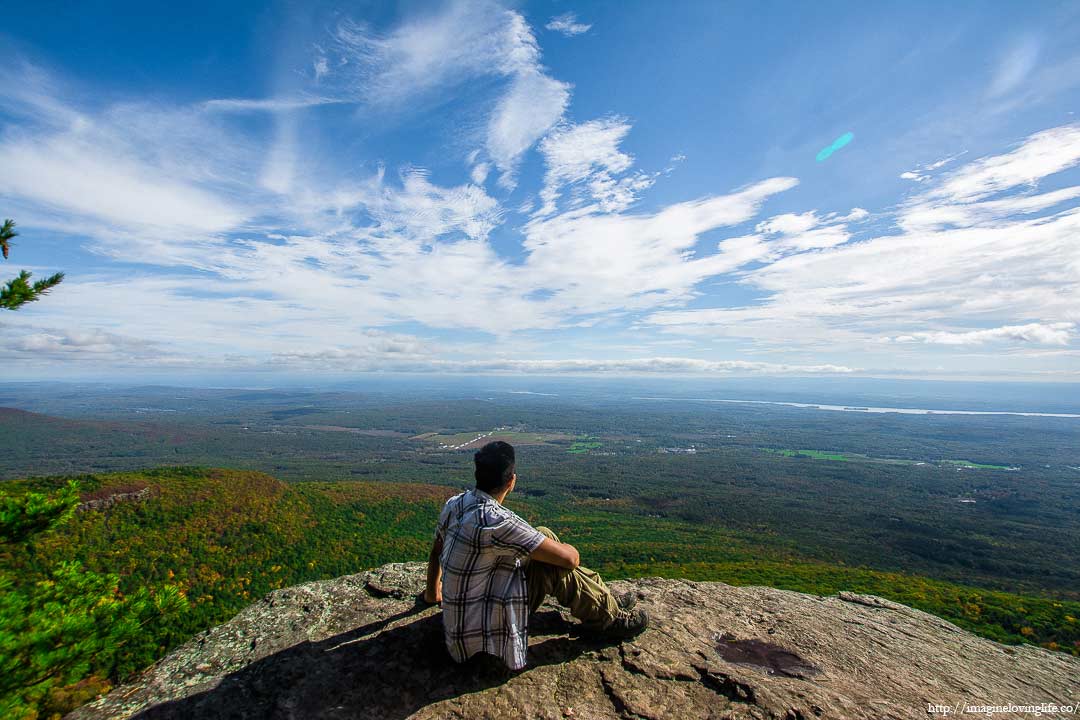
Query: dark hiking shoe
{"x": 627, "y": 624}
{"x": 626, "y": 600}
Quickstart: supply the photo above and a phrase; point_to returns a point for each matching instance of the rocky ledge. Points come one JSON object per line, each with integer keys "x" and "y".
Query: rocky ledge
{"x": 360, "y": 647}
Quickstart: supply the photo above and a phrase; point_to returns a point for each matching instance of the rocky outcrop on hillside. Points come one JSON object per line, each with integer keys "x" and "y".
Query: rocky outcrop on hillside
{"x": 114, "y": 497}
{"x": 360, "y": 647}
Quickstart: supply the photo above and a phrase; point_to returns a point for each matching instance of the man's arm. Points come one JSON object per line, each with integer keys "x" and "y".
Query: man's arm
{"x": 558, "y": 553}
{"x": 433, "y": 592}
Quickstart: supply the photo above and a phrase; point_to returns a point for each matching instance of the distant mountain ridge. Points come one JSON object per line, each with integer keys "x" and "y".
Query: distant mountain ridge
{"x": 11, "y": 415}
{"x": 359, "y": 646}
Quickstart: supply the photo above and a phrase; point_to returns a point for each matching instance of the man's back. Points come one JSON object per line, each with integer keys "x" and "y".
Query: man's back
{"x": 484, "y": 598}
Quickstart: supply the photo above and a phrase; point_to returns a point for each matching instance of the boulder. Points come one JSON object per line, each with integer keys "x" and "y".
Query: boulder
{"x": 361, "y": 646}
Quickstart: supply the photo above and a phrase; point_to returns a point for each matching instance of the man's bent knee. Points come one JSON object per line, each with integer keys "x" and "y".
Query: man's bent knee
{"x": 546, "y": 532}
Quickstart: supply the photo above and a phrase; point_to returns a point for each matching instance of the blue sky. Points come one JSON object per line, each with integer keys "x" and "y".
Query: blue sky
{"x": 550, "y": 187}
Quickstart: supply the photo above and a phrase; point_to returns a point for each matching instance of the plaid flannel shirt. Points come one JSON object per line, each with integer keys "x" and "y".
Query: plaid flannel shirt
{"x": 485, "y": 605}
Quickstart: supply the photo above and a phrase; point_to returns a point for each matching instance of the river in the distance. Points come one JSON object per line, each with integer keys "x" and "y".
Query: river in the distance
{"x": 853, "y": 408}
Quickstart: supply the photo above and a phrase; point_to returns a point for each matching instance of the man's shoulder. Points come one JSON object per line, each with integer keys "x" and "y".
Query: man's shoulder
{"x": 463, "y": 497}
{"x": 506, "y": 515}
{"x": 451, "y": 507}
{"x": 464, "y": 503}
{"x": 491, "y": 511}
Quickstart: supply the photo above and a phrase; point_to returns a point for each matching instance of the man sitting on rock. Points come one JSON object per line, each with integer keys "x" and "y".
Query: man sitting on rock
{"x": 490, "y": 569}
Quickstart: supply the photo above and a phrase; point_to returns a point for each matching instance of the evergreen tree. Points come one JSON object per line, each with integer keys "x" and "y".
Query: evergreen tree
{"x": 61, "y": 624}
{"x": 19, "y": 290}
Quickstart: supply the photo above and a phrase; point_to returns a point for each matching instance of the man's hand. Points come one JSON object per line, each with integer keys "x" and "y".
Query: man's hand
{"x": 433, "y": 591}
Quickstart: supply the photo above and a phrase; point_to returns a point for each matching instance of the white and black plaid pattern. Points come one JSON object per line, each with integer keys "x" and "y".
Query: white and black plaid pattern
{"x": 485, "y": 605}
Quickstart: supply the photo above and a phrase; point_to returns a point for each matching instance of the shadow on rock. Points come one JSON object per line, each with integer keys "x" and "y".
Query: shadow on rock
{"x": 373, "y": 671}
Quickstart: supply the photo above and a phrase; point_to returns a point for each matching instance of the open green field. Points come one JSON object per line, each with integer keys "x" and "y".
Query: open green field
{"x": 815, "y": 454}
{"x": 473, "y": 440}
{"x": 975, "y": 465}
{"x": 584, "y": 445}
{"x": 858, "y": 457}
{"x": 839, "y": 456}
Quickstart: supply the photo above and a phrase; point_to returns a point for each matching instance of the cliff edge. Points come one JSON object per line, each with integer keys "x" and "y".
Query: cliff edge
{"x": 359, "y": 647}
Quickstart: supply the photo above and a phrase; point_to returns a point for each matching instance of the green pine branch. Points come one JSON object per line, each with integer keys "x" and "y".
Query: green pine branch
{"x": 7, "y": 231}
{"x": 19, "y": 290}
{"x": 28, "y": 514}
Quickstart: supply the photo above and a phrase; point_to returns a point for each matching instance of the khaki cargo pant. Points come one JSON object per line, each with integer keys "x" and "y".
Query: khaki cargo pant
{"x": 581, "y": 590}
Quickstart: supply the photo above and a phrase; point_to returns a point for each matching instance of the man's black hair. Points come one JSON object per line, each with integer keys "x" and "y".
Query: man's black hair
{"x": 494, "y": 465}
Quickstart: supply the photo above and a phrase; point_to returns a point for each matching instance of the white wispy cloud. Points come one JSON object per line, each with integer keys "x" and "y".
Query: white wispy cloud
{"x": 341, "y": 359}
{"x": 419, "y": 212}
{"x": 597, "y": 262}
{"x": 479, "y": 173}
{"x": 1015, "y": 67}
{"x": 534, "y": 103}
{"x": 588, "y": 155}
{"x": 320, "y": 66}
{"x": 367, "y": 350}
{"x": 130, "y": 166}
{"x": 53, "y": 342}
{"x": 440, "y": 51}
{"x": 967, "y": 252}
{"x": 70, "y": 172}
{"x": 280, "y": 169}
{"x": 1041, "y": 155}
{"x": 461, "y": 40}
{"x": 923, "y": 173}
{"x": 789, "y": 223}
{"x": 415, "y": 257}
{"x": 806, "y": 231}
{"x": 922, "y": 215}
{"x": 568, "y": 25}
{"x": 272, "y": 104}
{"x": 1042, "y": 334}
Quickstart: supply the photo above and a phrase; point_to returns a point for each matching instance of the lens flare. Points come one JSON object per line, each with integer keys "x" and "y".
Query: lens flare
{"x": 836, "y": 145}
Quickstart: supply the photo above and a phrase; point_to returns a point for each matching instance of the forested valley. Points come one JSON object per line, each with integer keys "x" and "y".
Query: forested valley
{"x": 224, "y": 496}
